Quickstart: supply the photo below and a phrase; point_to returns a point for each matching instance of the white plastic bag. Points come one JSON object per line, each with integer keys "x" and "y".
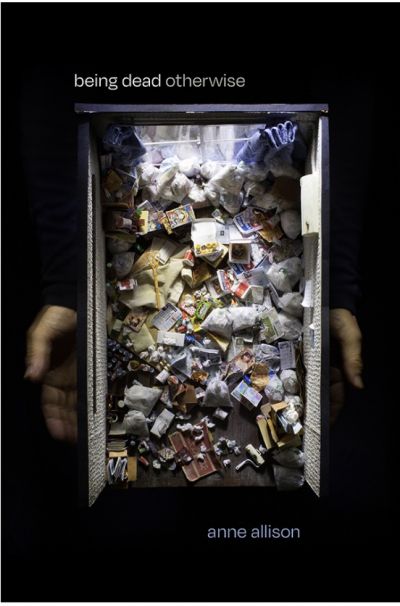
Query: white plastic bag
{"x": 292, "y": 327}
{"x": 289, "y": 381}
{"x": 122, "y": 263}
{"x": 290, "y": 414}
{"x": 296, "y": 402}
{"x": 135, "y": 423}
{"x": 219, "y": 321}
{"x": 228, "y": 179}
{"x": 289, "y": 457}
{"x": 217, "y": 394}
{"x": 189, "y": 167}
{"x": 168, "y": 168}
{"x": 212, "y": 194}
{"x": 139, "y": 397}
{"x": 290, "y": 303}
{"x": 287, "y": 478}
{"x": 274, "y": 390}
{"x": 180, "y": 186}
{"x": 285, "y": 275}
{"x": 243, "y": 317}
{"x": 118, "y": 245}
{"x": 291, "y": 223}
{"x": 150, "y": 193}
{"x": 209, "y": 169}
{"x": 231, "y": 202}
{"x": 147, "y": 173}
{"x": 197, "y": 195}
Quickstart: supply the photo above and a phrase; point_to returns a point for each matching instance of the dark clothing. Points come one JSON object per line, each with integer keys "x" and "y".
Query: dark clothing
{"x": 350, "y": 134}
{"x": 49, "y": 151}
{"x": 48, "y": 545}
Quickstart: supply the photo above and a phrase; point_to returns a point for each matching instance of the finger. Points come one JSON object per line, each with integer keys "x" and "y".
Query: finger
{"x": 352, "y": 361}
{"x": 59, "y": 412}
{"x": 52, "y": 403}
{"x": 38, "y": 352}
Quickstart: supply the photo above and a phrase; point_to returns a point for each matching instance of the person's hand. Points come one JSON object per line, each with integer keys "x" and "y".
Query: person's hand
{"x": 51, "y": 360}
{"x": 347, "y": 338}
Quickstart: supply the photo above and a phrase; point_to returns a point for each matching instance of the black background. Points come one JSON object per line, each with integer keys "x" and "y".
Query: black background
{"x": 150, "y": 544}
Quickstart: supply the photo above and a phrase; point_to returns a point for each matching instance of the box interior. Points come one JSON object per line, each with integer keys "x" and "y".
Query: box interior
{"x": 206, "y": 136}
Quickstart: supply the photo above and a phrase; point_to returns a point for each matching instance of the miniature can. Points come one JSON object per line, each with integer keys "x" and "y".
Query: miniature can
{"x": 122, "y": 222}
{"x": 127, "y": 284}
{"x": 188, "y": 259}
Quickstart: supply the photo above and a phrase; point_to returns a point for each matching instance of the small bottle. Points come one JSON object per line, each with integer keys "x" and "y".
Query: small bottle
{"x": 188, "y": 259}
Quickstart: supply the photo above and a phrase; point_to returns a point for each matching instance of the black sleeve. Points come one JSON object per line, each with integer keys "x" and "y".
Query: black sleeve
{"x": 350, "y": 162}
{"x": 49, "y": 144}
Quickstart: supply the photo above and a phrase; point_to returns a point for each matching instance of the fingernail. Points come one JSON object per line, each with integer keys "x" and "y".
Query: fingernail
{"x": 358, "y": 382}
{"x": 32, "y": 373}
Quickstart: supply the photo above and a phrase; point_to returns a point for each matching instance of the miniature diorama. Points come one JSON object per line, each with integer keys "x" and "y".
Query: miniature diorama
{"x": 208, "y": 302}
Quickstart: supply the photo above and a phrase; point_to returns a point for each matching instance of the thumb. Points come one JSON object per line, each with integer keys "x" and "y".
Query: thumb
{"x": 351, "y": 354}
{"x": 39, "y": 345}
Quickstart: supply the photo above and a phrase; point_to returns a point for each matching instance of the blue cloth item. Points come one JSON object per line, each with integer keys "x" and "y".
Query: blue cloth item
{"x": 267, "y": 141}
{"x": 281, "y": 134}
{"x": 124, "y": 144}
{"x": 254, "y": 150}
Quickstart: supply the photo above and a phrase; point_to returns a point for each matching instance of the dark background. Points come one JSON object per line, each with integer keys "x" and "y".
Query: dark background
{"x": 151, "y": 544}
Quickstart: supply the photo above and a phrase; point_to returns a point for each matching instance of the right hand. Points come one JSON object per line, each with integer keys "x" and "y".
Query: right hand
{"x": 51, "y": 360}
{"x": 346, "y": 364}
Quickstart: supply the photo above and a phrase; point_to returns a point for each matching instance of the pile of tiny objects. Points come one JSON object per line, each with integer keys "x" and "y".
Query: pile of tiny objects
{"x": 205, "y": 294}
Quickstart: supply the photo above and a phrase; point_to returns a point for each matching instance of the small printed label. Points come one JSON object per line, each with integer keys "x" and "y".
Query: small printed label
{"x": 287, "y": 354}
{"x": 167, "y": 317}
